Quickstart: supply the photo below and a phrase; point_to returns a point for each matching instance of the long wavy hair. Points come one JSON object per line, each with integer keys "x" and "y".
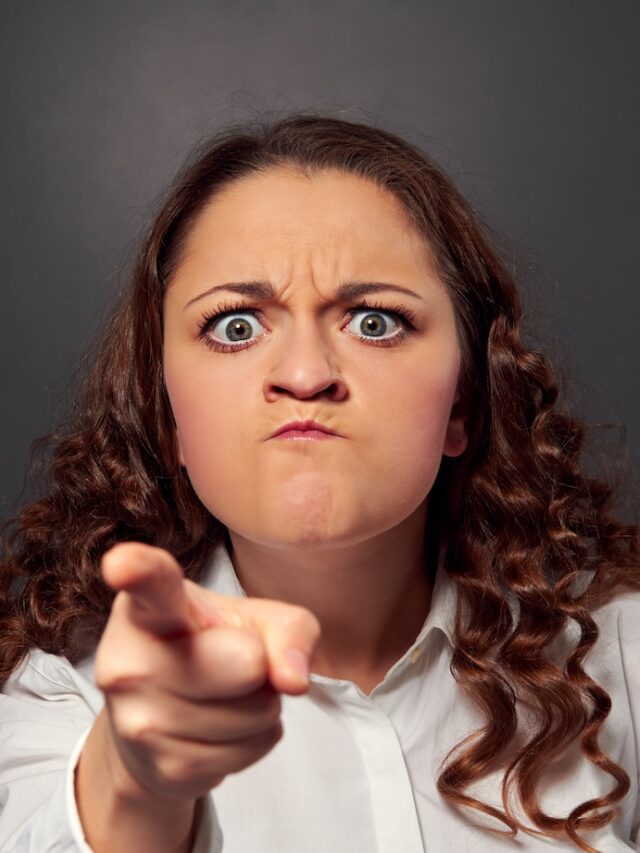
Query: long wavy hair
{"x": 532, "y": 529}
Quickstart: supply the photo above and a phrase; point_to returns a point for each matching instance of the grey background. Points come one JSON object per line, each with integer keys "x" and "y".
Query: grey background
{"x": 532, "y": 107}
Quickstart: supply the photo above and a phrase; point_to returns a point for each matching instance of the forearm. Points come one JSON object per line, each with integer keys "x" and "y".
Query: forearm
{"x": 117, "y": 813}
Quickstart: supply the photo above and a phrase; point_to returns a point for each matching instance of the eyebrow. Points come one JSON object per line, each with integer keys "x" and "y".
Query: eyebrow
{"x": 265, "y": 290}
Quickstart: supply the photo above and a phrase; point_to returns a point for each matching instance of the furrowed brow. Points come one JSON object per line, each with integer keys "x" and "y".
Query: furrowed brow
{"x": 255, "y": 289}
{"x": 353, "y": 289}
{"x": 264, "y": 290}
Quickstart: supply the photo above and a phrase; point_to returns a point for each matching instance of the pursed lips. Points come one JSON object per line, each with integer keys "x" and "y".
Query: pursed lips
{"x": 309, "y": 430}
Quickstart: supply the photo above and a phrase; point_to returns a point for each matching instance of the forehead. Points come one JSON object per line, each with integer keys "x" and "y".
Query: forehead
{"x": 269, "y": 221}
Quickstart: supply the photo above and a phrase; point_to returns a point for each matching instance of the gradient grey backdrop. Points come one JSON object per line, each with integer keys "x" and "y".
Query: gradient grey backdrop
{"x": 532, "y": 107}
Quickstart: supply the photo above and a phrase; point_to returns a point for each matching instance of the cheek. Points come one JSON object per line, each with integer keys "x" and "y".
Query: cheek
{"x": 411, "y": 428}
{"x": 398, "y": 424}
{"x": 208, "y": 414}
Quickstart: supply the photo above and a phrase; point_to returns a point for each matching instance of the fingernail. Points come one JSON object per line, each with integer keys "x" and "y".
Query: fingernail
{"x": 298, "y": 662}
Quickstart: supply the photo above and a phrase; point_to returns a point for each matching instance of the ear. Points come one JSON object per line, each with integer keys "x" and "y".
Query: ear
{"x": 456, "y": 439}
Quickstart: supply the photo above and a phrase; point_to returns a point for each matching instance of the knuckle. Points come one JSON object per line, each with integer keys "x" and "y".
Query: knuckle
{"x": 118, "y": 669}
{"x": 301, "y": 622}
{"x": 135, "y": 722}
{"x": 137, "y": 726}
{"x": 295, "y": 616}
{"x": 248, "y": 659}
{"x": 314, "y": 626}
{"x": 120, "y": 662}
{"x": 174, "y": 772}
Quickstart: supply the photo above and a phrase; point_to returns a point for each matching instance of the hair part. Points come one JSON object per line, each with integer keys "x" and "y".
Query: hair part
{"x": 532, "y": 529}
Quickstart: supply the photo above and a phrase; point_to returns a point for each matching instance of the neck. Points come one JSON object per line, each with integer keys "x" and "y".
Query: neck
{"x": 371, "y": 598}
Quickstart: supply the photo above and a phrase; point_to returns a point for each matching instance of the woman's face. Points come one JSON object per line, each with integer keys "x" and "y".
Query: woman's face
{"x": 287, "y": 306}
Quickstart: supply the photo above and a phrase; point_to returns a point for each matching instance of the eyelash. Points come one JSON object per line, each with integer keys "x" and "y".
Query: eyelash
{"x": 403, "y": 315}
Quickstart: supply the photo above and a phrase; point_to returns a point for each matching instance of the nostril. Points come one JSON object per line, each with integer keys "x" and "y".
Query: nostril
{"x": 335, "y": 390}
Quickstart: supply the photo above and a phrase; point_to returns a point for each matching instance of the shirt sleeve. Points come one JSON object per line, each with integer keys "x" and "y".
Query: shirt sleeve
{"x": 616, "y": 669}
{"x": 46, "y": 712}
{"x": 629, "y": 633}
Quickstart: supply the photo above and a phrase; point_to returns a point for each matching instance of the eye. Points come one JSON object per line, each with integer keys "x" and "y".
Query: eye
{"x": 374, "y": 323}
{"x": 234, "y": 329}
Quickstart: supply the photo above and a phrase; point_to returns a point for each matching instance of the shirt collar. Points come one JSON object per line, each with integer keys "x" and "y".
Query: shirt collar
{"x": 221, "y": 578}
{"x": 442, "y": 612}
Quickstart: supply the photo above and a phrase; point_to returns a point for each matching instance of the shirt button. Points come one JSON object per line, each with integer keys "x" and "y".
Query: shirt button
{"x": 415, "y": 655}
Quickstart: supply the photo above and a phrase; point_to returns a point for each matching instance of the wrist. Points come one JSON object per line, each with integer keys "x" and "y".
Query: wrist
{"x": 117, "y": 811}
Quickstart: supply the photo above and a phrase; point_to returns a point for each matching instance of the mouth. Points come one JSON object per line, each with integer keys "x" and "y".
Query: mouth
{"x": 304, "y": 430}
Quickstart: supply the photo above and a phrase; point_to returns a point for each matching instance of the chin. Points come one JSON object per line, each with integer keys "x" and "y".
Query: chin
{"x": 305, "y": 539}
{"x": 310, "y": 536}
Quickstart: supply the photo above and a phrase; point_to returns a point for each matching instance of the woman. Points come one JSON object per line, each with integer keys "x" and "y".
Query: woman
{"x": 316, "y": 401}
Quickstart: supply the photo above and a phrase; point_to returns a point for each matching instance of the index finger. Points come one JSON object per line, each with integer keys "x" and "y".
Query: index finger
{"x": 154, "y": 585}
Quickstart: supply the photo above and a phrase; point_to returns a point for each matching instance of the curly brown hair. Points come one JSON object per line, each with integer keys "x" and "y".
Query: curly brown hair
{"x": 533, "y": 528}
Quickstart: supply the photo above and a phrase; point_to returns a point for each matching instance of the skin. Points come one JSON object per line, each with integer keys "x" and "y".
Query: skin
{"x": 192, "y": 684}
{"x": 327, "y": 536}
{"x": 336, "y": 526}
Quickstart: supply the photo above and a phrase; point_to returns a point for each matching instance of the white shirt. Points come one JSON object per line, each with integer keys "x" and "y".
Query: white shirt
{"x": 353, "y": 773}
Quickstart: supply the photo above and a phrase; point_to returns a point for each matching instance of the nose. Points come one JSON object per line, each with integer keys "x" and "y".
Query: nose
{"x": 304, "y": 368}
